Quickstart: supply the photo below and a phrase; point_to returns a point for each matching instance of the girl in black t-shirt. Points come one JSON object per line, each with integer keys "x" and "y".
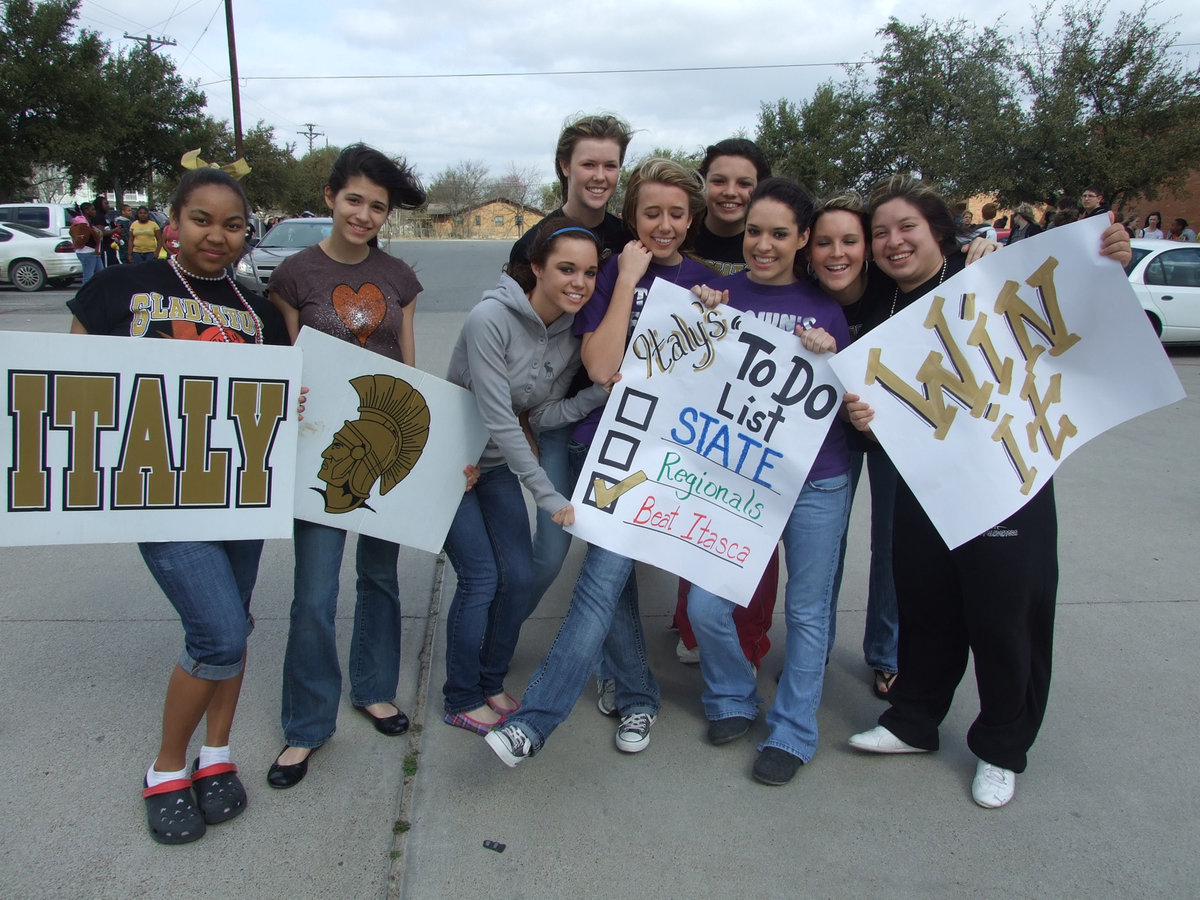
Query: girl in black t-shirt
{"x": 208, "y": 582}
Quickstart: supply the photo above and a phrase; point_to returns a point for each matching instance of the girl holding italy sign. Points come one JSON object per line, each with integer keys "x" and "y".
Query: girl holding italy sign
{"x": 995, "y": 594}
{"x": 774, "y": 287}
{"x": 208, "y": 582}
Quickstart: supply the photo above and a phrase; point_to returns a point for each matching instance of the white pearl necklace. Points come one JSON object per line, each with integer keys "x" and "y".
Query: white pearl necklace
{"x": 184, "y": 274}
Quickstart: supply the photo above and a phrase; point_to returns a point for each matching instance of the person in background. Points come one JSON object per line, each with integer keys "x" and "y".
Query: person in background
{"x": 145, "y": 237}
{"x": 86, "y": 238}
{"x": 1153, "y": 227}
{"x": 1092, "y": 201}
{"x": 1181, "y": 232}
{"x": 1025, "y": 224}
{"x": 587, "y": 159}
{"x": 123, "y": 222}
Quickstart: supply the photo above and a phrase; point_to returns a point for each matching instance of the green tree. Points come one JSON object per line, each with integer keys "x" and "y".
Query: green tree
{"x": 1116, "y": 108}
{"x": 943, "y": 105}
{"x": 824, "y": 142}
{"x": 50, "y": 87}
{"x": 150, "y": 118}
{"x": 306, "y": 186}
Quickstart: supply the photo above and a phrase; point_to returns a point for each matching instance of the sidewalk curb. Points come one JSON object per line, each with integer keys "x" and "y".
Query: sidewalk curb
{"x": 412, "y": 753}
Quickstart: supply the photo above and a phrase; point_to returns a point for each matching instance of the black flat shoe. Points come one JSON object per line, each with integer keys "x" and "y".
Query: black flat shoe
{"x": 389, "y": 725}
{"x": 288, "y": 776}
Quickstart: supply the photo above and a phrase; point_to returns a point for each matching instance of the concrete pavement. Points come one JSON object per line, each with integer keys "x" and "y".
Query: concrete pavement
{"x": 1106, "y": 808}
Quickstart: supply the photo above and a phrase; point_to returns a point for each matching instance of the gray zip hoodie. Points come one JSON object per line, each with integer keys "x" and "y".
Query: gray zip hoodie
{"x": 513, "y": 362}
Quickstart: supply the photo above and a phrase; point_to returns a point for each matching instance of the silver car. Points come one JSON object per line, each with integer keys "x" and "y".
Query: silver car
{"x": 288, "y": 237}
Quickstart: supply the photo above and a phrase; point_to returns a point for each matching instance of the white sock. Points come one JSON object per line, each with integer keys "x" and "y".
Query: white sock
{"x": 211, "y": 755}
{"x": 154, "y": 777}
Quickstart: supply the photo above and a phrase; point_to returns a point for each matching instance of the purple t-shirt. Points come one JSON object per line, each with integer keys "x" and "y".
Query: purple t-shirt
{"x": 686, "y": 274}
{"x": 786, "y": 306}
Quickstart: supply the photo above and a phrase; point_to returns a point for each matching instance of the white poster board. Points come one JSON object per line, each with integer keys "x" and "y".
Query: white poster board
{"x": 112, "y": 439}
{"x": 383, "y": 445}
{"x": 705, "y": 443}
{"x": 985, "y": 385}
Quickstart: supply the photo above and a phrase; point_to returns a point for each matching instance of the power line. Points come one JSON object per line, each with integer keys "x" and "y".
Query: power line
{"x": 548, "y": 72}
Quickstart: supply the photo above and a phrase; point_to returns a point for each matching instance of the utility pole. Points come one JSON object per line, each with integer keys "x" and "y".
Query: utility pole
{"x": 233, "y": 77}
{"x": 152, "y": 43}
{"x": 310, "y": 134}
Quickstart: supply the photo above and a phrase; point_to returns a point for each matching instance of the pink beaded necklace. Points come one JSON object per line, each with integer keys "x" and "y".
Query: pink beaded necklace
{"x": 184, "y": 275}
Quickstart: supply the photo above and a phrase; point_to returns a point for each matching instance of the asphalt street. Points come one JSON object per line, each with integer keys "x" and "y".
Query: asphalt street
{"x": 1106, "y": 808}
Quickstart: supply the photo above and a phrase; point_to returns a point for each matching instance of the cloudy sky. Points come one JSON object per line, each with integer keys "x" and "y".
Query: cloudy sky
{"x": 445, "y": 81}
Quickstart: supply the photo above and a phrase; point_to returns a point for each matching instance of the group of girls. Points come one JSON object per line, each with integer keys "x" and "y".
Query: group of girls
{"x": 993, "y": 597}
{"x": 568, "y": 304}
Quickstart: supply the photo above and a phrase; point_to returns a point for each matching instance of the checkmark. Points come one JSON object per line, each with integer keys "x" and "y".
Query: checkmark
{"x": 606, "y": 496}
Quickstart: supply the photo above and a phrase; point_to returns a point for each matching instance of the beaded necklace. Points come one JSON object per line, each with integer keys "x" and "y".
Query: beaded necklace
{"x": 896, "y": 293}
{"x": 184, "y": 275}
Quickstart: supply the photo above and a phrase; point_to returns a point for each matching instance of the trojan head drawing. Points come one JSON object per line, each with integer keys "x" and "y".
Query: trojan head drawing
{"x": 382, "y": 444}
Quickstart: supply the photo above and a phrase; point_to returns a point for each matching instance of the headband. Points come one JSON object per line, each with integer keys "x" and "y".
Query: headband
{"x": 586, "y": 231}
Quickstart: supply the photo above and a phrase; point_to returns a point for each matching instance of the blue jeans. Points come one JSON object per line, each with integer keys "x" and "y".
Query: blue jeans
{"x": 881, "y": 640}
{"x": 209, "y": 583}
{"x": 92, "y": 263}
{"x": 312, "y": 678}
{"x": 810, "y": 541}
{"x": 143, "y": 257}
{"x": 490, "y": 548}
{"x": 550, "y": 541}
{"x": 603, "y": 614}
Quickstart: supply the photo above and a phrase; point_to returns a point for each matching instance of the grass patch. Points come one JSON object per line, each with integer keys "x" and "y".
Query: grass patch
{"x": 401, "y": 827}
{"x": 410, "y": 765}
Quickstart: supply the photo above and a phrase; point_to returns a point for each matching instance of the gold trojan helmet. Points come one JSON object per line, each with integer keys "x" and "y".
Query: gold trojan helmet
{"x": 383, "y": 443}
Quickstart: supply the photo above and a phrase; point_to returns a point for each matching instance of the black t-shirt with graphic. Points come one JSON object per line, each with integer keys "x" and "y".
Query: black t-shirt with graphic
{"x": 150, "y": 300}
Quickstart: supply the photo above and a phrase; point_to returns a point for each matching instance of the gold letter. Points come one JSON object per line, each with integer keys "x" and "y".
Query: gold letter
{"x": 86, "y": 405}
{"x": 204, "y": 480}
{"x": 28, "y": 479}
{"x": 257, "y": 408}
{"x": 144, "y": 476}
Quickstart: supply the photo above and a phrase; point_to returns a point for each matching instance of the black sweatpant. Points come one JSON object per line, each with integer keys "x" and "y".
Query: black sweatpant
{"x": 994, "y": 596}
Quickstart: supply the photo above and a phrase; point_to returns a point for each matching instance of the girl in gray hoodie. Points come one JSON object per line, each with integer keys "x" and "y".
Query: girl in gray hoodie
{"x": 517, "y": 355}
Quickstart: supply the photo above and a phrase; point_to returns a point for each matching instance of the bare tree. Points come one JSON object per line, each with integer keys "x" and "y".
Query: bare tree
{"x": 521, "y": 185}
{"x": 460, "y": 186}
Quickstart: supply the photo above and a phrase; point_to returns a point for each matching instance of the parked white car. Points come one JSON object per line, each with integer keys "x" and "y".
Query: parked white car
{"x": 29, "y": 257}
{"x": 1166, "y": 278}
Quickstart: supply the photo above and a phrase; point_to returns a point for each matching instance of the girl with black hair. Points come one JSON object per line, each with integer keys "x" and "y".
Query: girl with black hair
{"x": 208, "y": 582}
{"x": 775, "y": 288}
{"x": 348, "y": 287}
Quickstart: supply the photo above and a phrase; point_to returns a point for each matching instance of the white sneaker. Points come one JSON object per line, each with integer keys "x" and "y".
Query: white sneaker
{"x": 606, "y": 702}
{"x": 634, "y": 734}
{"x": 993, "y": 786}
{"x": 880, "y": 740}
{"x": 509, "y": 743}
{"x": 686, "y": 656}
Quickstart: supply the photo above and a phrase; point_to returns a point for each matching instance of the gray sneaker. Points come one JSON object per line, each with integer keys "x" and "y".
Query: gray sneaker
{"x": 634, "y": 734}
{"x": 606, "y": 702}
{"x": 509, "y": 743}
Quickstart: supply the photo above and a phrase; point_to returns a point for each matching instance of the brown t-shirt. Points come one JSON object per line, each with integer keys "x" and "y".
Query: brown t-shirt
{"x": 362, "y": 303}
